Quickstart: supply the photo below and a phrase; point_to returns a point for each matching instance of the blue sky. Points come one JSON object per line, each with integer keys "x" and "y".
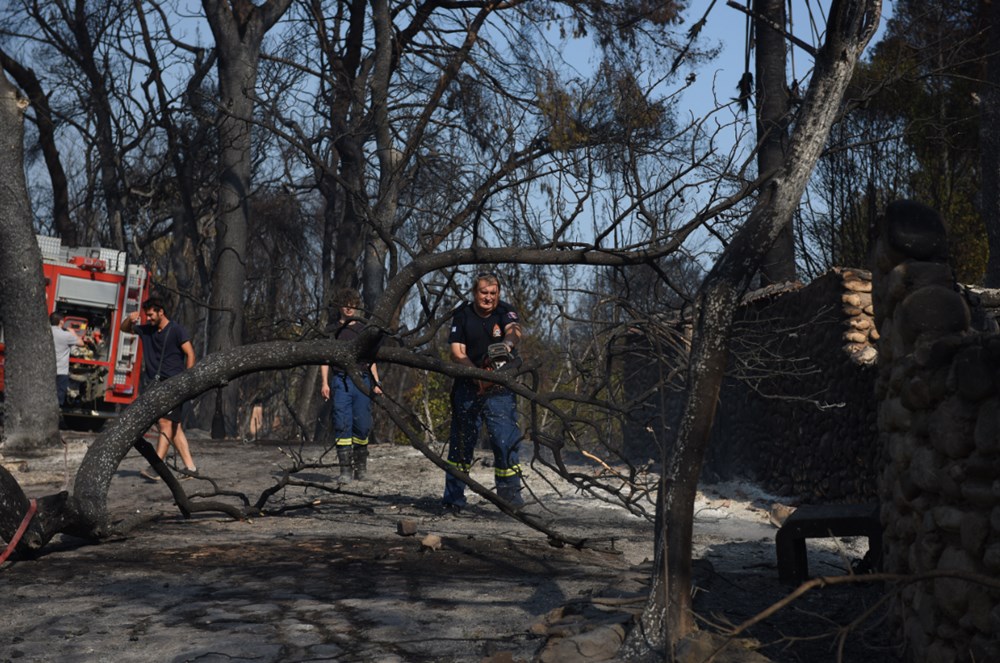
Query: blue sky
{"x": 726, "y": 26}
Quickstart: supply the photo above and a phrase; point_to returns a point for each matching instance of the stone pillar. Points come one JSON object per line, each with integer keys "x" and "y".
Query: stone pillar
{"x": 939, "y": 431}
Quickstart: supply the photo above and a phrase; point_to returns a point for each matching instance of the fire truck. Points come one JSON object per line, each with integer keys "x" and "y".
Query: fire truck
{"x": 94, "y": 289}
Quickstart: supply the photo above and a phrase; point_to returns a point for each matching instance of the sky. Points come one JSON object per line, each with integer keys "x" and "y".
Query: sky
{"x": 726, "y": 27}
{"x": 716, "y": 82}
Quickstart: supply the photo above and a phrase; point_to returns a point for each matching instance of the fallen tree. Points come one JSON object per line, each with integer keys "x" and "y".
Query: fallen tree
{"x": 83, "y": 513}
{"x": 668, "y": 616}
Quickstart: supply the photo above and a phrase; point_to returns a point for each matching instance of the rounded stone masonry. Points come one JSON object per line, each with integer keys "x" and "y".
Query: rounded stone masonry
{"x": 931, "y": 311}
{"x": 974, "y": 380}
{"x": 916, "y": 231}
{"x": 987, "y": 433}
{"x": 939, "y": 419}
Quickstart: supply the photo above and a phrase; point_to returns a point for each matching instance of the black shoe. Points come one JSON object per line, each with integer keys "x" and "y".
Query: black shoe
{"x": 148, "y": 476}
{"x": 186, "y": 474}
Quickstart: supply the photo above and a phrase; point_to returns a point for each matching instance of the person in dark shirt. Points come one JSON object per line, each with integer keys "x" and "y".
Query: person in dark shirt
{"x": 476, "y": 326}
{"x": 352, "y": 407}
{"x": 167, "y": 351}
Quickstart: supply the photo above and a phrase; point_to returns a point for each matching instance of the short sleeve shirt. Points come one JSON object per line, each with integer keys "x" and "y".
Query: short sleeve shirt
{"x": 162, "y": 351}
{"x": 64, "y": 341}
{"x": 477, "y": 332}
{"x": 348, "y": 332}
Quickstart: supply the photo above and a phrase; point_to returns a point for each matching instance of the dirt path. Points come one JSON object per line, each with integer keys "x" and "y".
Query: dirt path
{"x": 334, "y": 581}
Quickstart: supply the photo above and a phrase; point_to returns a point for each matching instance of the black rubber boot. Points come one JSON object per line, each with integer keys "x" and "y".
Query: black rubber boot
{"x": 360, "y": 462}
{"x": 511, "y": 495}
{"x": 346, "y": 460}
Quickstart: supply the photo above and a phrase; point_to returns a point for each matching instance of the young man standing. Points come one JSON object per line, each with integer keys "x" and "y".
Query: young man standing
{"x": 486, "y": 321}
{"x": 167, "y": 351}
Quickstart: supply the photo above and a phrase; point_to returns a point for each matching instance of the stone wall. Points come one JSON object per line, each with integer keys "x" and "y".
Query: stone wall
{"x": 796, "y": 412}
{"x": 939, "y": 423}
{"x": 654, "y": 364}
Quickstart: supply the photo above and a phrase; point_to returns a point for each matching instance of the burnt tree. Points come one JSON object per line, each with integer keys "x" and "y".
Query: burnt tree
{"x": 669, "y": 617}
{"x": 30, "y": 414}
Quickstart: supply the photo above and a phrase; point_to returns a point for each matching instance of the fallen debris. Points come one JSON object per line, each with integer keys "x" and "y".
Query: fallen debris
{"x": 406, "y": 527}
{"x": 431, "y": 542}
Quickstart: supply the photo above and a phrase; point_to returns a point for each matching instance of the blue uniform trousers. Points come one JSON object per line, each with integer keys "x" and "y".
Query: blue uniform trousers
{"x": 352, "y": 410}
{"x": 469, "y": 409}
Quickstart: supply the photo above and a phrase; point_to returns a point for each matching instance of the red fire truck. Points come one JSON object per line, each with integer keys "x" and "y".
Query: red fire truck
{"x": 94, "y": 288}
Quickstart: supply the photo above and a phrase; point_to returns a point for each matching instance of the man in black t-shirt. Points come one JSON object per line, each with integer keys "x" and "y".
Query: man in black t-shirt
{"x": 475, "y": 327}
{"x": 167, "y": 351}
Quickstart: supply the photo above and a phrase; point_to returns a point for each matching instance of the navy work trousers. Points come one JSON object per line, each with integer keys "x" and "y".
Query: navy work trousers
{"x": 469, "y": 409}
{"x": 352, "y": 410}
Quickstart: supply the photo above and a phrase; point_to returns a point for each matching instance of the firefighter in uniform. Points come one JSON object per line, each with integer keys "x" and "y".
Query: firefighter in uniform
{"x": 352, "y": 406}
{"x": 482, "y": 331}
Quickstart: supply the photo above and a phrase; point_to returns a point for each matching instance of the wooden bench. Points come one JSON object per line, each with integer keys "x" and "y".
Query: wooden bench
{"x": 825, "y": 520}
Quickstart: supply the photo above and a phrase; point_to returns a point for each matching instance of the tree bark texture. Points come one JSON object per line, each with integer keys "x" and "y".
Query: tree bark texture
{"x": 347, "y": 108}
{"x": 332, "y": 213}
{"x": 31, "y": 415}
{"x": 772, "y": 123}
{"x": 239, "y": 28}
{"x": 391, "y": 165}
{"x": 851, "y": 25}
{"x": 28, "y": 81}
{"x": 352, "y": 228}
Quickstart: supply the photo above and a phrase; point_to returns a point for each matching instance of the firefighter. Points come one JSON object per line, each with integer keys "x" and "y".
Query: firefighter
{"x": 352, "y": 407}
{"x": 484, "y": 334}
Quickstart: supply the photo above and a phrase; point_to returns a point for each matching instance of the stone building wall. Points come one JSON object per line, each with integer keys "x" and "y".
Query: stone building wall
{"x": 796, "y": 412}
{"x": 654, "y": 365}
{"x": 939, "y": 423}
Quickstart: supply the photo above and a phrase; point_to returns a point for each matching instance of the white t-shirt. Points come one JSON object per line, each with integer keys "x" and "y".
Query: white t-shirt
{"x": 64, "y": 340}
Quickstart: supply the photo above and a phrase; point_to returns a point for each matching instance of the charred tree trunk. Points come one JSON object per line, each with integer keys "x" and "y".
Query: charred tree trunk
{"x": 389, "y": 158}
{"x": 28, "y": 81}
{"x": 772, "y": 123}
{"x": 225, "y": 319}
{"x": 352, "y": 229}
{"x": 239, "y": 28}
{"x": 31, "y": 415}
{"x": 332, "y": 213}
{"x": 668, "y": 617}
